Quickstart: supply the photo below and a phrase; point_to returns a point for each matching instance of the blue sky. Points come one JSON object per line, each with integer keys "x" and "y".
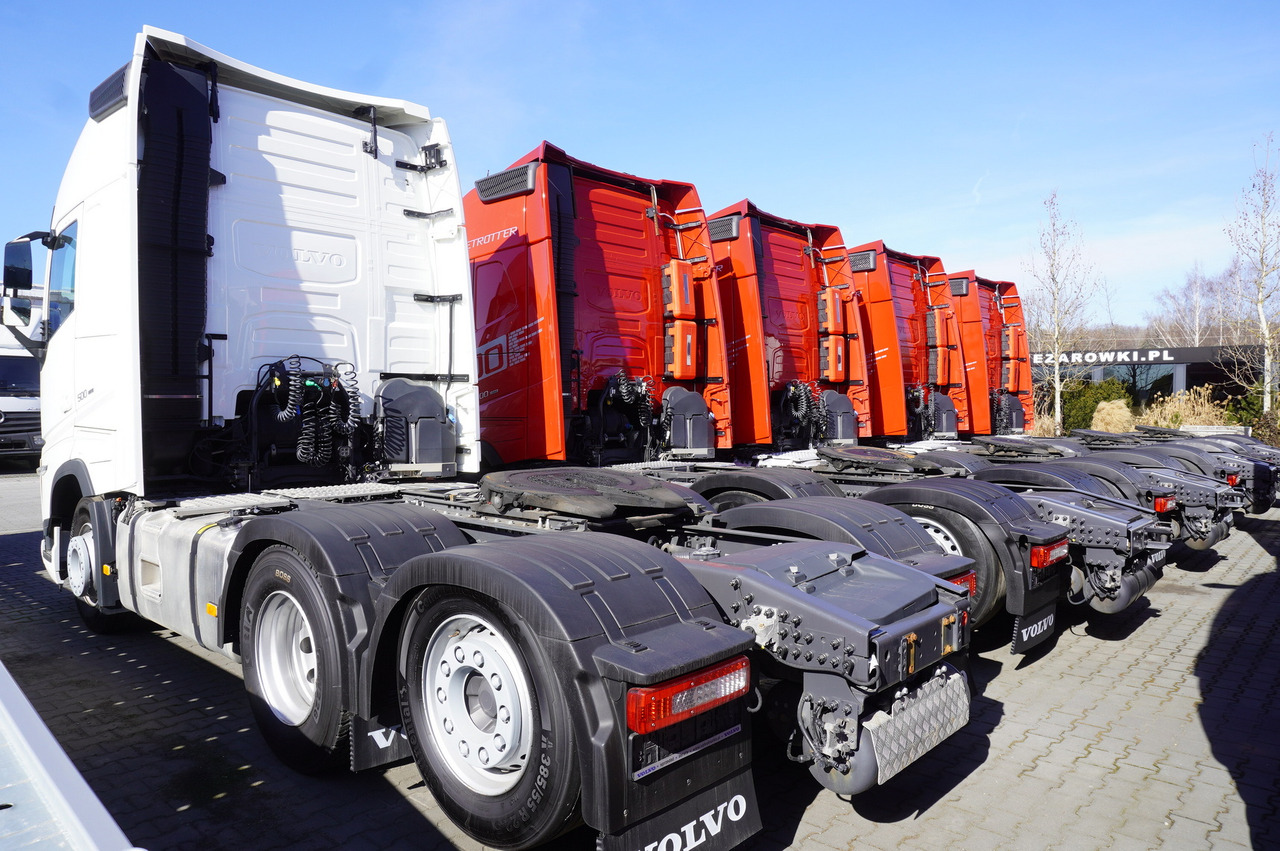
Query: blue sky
{"x": 938, "y": 127}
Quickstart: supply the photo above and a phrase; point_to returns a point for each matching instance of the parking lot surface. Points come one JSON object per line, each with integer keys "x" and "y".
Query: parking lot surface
{"x": 1157, "y": 727}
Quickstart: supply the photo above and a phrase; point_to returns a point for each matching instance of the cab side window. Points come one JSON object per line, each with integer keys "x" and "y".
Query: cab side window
{"x": 62, "y": 279}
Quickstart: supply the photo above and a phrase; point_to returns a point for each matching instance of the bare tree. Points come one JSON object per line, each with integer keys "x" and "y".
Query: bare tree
{"x": 1186, "y": 316}
{"x": 1058, "y": 306}
{"x": 1255, "y": 234}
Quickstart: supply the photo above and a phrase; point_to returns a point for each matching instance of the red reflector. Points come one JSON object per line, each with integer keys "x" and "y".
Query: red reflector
{"x": 655, "y": 707}
{"x": 1233, "y": 479}
{"x": 968, "y": 579}
{"x": 1165, "y": 503}
{"x": 1043, "y": 555}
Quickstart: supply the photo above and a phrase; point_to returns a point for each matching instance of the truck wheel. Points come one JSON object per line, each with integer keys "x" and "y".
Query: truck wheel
{"x": 958, "y": 535}
{"x": 488, "y": 724}
{"x": 97, "y": 620}
{"x": 289, "y": 647}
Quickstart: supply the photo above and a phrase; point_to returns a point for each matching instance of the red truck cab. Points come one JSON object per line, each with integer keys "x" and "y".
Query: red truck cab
{"x": 795, "y": 333}
{"x": 598, "y": 319}
{"x": 911, "y": 340}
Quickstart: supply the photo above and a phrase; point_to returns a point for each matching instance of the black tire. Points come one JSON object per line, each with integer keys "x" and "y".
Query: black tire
{"x": 289, "y": 647}
{"x": 958, "y": 535}
{"x": 724, "y": 500}
{"x": 103, "y": 623}
{"x": 499, "y": 755}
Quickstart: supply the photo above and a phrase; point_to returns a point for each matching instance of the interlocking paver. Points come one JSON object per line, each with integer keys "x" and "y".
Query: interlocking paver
{"x": 1153, "y": 728}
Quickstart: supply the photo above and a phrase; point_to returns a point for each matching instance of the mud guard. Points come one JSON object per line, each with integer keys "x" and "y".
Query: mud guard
{"x": 768, "y": 482}
{"x": 1046, "y": 476}
{"x": 1125, "y": 480}
{"x": 1009, "y": 524}
{"x": 876, "y": 528}
{"x": 610, "y": 612}
{"x": 104, "y": 580}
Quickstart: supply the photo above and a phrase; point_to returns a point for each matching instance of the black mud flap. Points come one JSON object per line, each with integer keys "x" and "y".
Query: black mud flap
{"x": 720, "y": 817}
{"x": 373, "y": 744}
{"x": 1033, "y": 629}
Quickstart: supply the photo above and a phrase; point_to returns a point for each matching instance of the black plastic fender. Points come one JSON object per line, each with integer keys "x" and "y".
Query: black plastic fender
{"x": 352, "y": 548}
{"x": 951, "y": 460}
{"x": 1009, "y": 524}
{"x": 610, "y": 612}
{"x": 876, "y": 528}
{"x": 1191, "y": 487}
{"x": 1126, "y": 481}
{"x": 368, "y": 541}
{"x": 1193, "y": 459}
{"x": 104, "y": 542}
{"x": 767, "y": 482}
{"x": 1050, "y": 476}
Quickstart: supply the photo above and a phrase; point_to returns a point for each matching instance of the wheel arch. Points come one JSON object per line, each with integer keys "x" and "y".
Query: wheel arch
{"x": 1004, "y": 519}
{"x": 769, "y": 482}
{"x": 71, "y": 483}
{"x": 588, "y": 598}
{"x": 350, "y": 548}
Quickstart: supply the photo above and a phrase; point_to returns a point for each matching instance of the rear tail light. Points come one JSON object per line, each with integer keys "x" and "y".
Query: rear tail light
{"x": 1233, "y": 479}
{"x": 1165, "y": 503}
{"x": 968, "y": 579}
{"x": 1043, "y": 555}
{"x": 654, "y": 707}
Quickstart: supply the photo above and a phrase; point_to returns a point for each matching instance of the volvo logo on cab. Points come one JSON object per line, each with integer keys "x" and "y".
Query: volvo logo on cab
{"x": 696, "y": 832}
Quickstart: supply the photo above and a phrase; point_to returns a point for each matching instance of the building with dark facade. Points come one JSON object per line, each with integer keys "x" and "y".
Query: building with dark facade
{"x": 1149, "y": 372}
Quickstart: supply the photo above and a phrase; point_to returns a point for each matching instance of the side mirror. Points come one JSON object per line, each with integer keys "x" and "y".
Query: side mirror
{"x": 17, "y": 265}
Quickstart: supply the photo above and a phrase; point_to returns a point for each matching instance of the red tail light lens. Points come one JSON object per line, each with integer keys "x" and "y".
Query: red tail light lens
{"x": 1043, "y": 555}
{"x": 968, "y": 579}
{"x": 654, "y": 707}
{"x": 1165, "y": 503}
{"x": 1233, "y": 479}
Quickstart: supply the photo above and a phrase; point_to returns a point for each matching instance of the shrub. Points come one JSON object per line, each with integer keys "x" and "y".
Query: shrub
{"x": 1113, "y": 416}
{"x": 1186, "y": 407}
{"x": 1267, "y": 428}
{"x": 1079, "y": 403}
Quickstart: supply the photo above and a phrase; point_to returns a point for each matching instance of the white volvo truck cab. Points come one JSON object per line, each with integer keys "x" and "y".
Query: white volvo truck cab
{"x": 260, "y": 323}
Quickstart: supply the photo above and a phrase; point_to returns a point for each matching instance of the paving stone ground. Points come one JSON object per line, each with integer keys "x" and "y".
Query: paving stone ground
{"x": 1154, "y": 728}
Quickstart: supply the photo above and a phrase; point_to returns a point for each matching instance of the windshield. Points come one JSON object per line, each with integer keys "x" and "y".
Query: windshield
{"x": 19, "y": 376}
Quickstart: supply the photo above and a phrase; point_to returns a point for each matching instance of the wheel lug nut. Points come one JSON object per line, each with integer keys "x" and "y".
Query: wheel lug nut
{"x": 496, "y": 682}
{"x": 483, "y": 756}
{"x": 459, "y": 654}
{"x": 448, "y": 726}
{"x": 499, "y": 744}
{"x": 477, "y": 659}
{"x": 464, "y": 749}
{"x": 440, "y": 695}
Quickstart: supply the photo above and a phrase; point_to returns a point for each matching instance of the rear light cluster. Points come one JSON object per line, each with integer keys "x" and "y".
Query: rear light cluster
{"x": 1165, "y": 503}
{"x": 1043, "y": 555}
{"x": 1233, "y": 479}
{"x": 968, "y": 579}
{"x": 654, "y": 707}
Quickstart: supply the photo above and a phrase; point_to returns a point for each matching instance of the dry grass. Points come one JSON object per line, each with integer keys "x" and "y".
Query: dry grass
{"x": 1186, "y": 407}
{"x": 1043, "y": 413}
{"x": 1113, "y": 416}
